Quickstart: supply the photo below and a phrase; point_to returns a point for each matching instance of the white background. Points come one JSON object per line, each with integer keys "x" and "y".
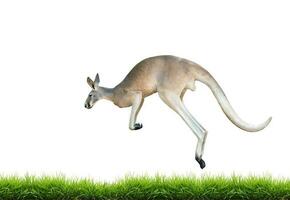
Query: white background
{"x": 48, "y": 48}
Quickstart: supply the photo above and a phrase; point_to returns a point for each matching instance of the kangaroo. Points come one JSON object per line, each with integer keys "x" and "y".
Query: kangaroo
{"x": 170, "y": 77}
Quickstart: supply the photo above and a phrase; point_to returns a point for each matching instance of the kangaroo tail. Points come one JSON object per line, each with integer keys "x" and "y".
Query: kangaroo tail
{"x": 206, "y": 78}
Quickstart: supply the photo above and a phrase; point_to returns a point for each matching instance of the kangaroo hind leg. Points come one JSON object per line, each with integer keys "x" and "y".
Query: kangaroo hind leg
{"x": 175, "y": 103}
{"x": 182, "y": 94}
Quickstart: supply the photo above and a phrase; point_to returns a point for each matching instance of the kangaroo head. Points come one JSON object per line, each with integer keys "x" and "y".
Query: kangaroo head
{"x": 95, "y": 94}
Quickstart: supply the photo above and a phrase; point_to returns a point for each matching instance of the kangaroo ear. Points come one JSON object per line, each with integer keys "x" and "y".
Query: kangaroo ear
{"x": 97, "y": 81}
{"x": 91, "y": 83}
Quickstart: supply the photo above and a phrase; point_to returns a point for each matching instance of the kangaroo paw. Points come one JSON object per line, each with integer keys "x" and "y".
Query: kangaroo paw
{"x": 137, "y": 126}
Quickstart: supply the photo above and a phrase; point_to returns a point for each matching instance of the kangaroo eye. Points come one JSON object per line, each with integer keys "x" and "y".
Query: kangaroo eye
{"x": 90, "y": 95}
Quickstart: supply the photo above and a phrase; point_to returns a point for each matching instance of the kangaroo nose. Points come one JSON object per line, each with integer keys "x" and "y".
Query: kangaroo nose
{"x": 87, "y": 106}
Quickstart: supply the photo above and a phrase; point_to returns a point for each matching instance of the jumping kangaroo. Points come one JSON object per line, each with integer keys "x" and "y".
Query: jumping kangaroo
{"x": 170, "y": 77}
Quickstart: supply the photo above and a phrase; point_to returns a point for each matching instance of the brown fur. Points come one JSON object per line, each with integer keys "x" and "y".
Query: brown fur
{"x": 152, "y": 75}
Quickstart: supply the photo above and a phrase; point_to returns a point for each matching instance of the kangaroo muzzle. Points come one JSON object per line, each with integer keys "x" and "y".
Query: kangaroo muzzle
{"x": 88, "y": 106}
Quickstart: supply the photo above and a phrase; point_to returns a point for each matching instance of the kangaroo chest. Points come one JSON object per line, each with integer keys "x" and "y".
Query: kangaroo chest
{"x": 123, "y": 99}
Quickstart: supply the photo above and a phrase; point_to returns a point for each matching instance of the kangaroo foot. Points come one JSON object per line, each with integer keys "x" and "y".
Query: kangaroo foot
{"x": 200, "y": 162}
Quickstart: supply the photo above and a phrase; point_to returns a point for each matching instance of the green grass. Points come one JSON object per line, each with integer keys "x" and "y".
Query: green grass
{"x": 135, "y": 188}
